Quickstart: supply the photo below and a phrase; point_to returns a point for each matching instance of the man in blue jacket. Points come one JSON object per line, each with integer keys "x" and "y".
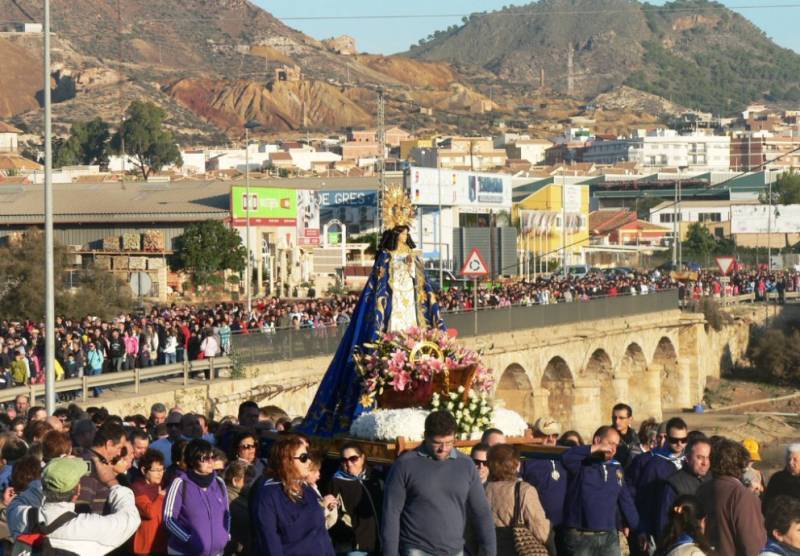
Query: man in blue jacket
{"x": 595, "y": 491}
{"x": 666, "y": 461}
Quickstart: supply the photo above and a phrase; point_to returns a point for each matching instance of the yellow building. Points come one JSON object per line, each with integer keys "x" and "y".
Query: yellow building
{"x": 537, "y": 213}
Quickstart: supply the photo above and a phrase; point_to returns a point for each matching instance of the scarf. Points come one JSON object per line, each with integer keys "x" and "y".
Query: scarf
{"x": 674, "y": 459}
{"x": 203, "y": 481}
{"x": 781, "y": 548}
{"x": 349, "y": 476}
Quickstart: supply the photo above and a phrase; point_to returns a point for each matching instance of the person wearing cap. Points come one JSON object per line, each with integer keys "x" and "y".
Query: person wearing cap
{"x": 164, "y": 445}
{"x": 85, "y": 534}
{"x": 547, "y": 474}
{"x": 787, "y": 480}
{"x": 753, "y": 478}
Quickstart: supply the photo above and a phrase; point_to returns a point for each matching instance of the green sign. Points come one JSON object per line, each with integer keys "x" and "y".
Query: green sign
{"x": 268, "y": 206}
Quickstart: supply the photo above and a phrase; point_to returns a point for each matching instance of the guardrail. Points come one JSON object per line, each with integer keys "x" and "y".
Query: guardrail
{"x": 287, "y": 344}
{"x": 751, "y": 298}
{"x": 136, "y": 377}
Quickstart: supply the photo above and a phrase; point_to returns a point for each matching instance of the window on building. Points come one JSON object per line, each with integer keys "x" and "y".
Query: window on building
{"x": 668, "y": 217}
{"x": 709, "y": 217}
{"x": 719, "y": 233}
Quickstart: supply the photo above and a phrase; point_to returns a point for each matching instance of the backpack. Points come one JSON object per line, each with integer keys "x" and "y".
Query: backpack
{"x": 36, "y": 542}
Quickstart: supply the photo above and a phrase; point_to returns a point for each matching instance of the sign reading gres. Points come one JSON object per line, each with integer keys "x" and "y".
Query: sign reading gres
{"x": 355, "y": 198}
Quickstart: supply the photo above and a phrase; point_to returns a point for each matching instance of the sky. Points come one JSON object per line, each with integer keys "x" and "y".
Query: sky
{"x": 393, "y": 35}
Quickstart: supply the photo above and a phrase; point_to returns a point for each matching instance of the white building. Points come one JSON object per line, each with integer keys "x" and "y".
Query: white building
{"x": 532, "y": 150}
{"x": 194, "y": 162}
{"x": 664, "y": 148}
{"x": 304, "y": 158}
{"x": 9, "y": 142}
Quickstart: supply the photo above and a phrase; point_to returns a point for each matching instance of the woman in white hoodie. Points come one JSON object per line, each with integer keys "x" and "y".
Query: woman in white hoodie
{"x": 684, "y": 534}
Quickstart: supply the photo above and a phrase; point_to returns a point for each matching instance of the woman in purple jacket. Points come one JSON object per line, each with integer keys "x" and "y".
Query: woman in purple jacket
{"x": 196, "y": 509}
{"x": 285, "y": 512}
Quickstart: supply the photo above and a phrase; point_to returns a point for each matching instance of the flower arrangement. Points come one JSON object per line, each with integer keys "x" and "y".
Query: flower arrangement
{"x": 412, "y": 360}
{"x": 473, "y": 412}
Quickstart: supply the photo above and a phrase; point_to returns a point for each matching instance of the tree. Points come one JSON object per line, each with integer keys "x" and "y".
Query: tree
{"x": 150, "y": 146}
{"x": 88, "y": 143}
{"x": 22, "y": 283}
{"x": 208, "y": 247}
{"x": 785, "y": 190}
{"x": 699, "y": 240}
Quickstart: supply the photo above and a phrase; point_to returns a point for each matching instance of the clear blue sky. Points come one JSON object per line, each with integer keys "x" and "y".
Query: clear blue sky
{"x": 388, "y": 36}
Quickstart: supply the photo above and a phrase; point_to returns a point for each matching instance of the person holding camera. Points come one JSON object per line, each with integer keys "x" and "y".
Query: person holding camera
{"x": 109, "y": 446}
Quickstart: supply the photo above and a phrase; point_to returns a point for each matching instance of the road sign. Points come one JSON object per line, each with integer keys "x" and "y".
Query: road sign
{"x": 475, "y": 266}
{"x": 725, "y": 264}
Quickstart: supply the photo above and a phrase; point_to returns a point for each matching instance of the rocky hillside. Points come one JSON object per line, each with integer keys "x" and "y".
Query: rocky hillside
{"x": 212, "y": 65}
{"x": 666, "y": 50}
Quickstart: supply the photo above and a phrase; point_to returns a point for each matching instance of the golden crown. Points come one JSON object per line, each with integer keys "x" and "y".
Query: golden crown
{"x": 396, "y": 206}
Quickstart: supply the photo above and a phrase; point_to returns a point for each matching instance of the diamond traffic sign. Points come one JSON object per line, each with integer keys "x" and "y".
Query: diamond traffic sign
{"x": 725, "y": 264}
{"x": 475, "y": 266}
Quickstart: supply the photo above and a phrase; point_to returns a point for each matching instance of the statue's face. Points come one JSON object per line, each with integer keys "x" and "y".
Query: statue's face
{"x": 402, "y": 237}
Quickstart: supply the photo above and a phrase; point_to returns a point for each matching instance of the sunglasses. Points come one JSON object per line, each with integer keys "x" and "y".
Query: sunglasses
{"x": 351, "y": 459}
{"x": 480, "y": 462}
{"x": 302, "y": 457}
{"x": 678, "y": 440}
{"x": 247, "y": 446}
{"x": 207, "y": 457}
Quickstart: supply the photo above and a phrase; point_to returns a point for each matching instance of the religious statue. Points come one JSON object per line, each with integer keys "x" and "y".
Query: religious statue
{"x": 396, "y": 297}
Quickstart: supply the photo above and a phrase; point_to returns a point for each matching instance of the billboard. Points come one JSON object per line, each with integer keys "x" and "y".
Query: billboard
{"x": 307, "y": 218}
{"x": 459, "y": 188}
{"x": 755, "y": 219}
{"x": 269, "y": 206}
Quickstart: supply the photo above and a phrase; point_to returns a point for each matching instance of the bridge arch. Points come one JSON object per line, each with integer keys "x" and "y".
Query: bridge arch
{"x": 558, "y": 381}
{"x": 600, "y": 368}
{"x": 666, "y": 363}
{"x": 633, "y": 370}
{"x": 516, "y": 390}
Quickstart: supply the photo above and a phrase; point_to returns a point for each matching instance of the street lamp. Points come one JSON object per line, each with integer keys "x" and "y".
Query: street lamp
{"x": 49, "y": 270}
{"x": 251, "y": 124}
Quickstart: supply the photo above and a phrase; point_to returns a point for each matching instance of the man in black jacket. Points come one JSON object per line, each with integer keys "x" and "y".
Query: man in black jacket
{"x": 687, "y": 479}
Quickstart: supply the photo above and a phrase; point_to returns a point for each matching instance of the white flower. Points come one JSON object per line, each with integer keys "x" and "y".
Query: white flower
{"x": 460, "y": 389}
{"x": 449, "y": 406}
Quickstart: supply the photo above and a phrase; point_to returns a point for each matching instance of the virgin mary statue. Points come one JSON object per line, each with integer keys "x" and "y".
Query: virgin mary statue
{"x": 395, "y": 298}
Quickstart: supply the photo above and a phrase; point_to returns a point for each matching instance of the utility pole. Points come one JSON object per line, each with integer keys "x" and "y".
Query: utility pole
{"x": 381, "y": 162}
{"x": 49, "y": 272}
{"x": 570, "y": 72}
{"x": 675, "y": 229}
{"x": 680, "y": 213}
{"x": 564, "y": 222}
{"x": 769, "y": 250}
{"x": 249, "y": 272}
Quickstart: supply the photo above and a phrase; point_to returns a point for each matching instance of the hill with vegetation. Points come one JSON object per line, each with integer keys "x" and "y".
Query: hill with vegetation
{"x": 696, "y": 53}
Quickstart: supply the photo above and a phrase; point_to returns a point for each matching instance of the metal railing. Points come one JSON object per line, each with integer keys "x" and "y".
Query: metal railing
{"x": 287, "y": 344}
{"x": 83, "y": 384}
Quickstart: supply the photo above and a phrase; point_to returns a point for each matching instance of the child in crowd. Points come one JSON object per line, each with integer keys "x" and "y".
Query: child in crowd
{"x": 783, "y": 527}
{"x": 328, "y": 502}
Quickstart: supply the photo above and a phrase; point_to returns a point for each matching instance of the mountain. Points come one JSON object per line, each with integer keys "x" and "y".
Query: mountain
{"x": 696, "y": 53}
{"x": 213, "y": 65}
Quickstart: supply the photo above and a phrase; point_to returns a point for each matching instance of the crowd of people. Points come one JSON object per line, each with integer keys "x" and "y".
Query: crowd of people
{"x": 164, "y": 335}
{"x": 175, "y": 482}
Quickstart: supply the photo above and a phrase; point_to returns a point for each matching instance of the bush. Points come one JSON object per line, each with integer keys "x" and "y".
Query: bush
{"x": 775, "y": 353}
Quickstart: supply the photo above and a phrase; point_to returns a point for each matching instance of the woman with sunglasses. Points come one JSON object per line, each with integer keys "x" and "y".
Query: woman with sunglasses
{"x": 285, "y": 512}
{"x": 245, "y": 449}
{"x": 360, "y": 496}
{"x": 196, "y": 510}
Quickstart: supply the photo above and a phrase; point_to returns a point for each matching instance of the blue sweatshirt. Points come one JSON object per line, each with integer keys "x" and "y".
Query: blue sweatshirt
{"x": 594, "y": 492}
{"x": 426, "y": 503}
{"x": 550, "y": 479}
{"x": 286, "y": 528}
{"x": 649, "y": 488}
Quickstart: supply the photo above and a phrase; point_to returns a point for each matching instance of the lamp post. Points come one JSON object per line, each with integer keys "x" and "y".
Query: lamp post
{"x": 249, "y": 272}
{"x": 563, "y": 222}
{"x": 49, "y": 272}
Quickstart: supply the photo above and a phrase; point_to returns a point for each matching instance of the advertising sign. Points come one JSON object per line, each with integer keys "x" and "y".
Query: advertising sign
{"x": 572, "y": 198}
{"x": 755, "y": 219}
{"x": 429, "y": 186}
{"x": 307, "y": 217}
{"x": 269, "y": 206}
{"x": 348, "y": 198}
